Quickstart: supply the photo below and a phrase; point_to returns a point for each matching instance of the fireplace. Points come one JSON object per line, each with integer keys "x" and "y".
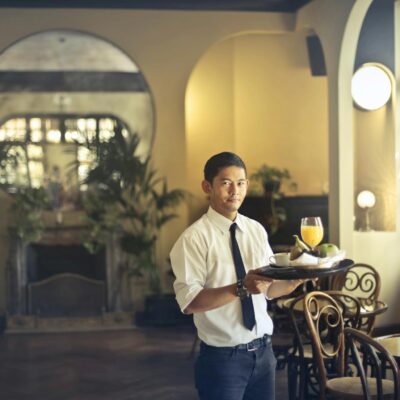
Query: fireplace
{"x": 58, "y": 277}
{"x": 65, "y": 280}
{"x": 45, "y": 261}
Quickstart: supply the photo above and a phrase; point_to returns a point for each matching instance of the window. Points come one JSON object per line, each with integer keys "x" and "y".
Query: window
{"x": 49, "y": 147}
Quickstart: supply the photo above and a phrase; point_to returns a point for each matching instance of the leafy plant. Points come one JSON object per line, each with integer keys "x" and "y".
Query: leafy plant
{"x": 28, "y": 202}
{"x": 27, "y": 209}
{"x": 270, "y": 175}
{"x": 127, "y": 196}
{"x": 270, "y": 178}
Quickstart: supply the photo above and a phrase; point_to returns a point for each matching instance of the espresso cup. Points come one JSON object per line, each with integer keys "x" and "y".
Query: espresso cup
{"x": 281, "y": 259}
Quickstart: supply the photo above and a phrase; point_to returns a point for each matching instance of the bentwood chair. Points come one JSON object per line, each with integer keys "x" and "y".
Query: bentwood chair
{"x": 369, "y": 354}
{"x": 363, "y": 281}
{"x": 302, "y": 380}
{"x": 324, "y": 320}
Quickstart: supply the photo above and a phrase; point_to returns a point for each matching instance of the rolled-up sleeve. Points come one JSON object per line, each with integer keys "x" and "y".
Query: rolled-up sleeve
{"x": 188, "y": 260}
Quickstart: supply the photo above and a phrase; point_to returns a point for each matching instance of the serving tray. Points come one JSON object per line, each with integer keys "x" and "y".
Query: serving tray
{"x": 305, "y": 271}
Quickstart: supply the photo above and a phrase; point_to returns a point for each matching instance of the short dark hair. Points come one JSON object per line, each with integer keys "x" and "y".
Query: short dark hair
{"x": 220, "y": 161}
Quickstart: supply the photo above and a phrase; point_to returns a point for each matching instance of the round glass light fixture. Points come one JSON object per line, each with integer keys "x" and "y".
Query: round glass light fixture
{"x": 366, "y": 199}
{"x": 371, "y": 87}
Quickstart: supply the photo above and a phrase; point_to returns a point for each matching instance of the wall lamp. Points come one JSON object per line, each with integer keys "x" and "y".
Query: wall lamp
{"x": 366, "y": 200}
{"x": 371, "y": 87}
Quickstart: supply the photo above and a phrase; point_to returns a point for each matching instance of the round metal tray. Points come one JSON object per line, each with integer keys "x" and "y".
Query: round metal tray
{"x": 304, "y": 272}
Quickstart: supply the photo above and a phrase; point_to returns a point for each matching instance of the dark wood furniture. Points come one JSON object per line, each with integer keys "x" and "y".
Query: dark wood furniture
{"x": 363, "y": 280}
{"x": 302, "y": 380}
{"x": 324, "y": 320}
{"x": 370, "y": 353}
{"x": 296, "y": 207}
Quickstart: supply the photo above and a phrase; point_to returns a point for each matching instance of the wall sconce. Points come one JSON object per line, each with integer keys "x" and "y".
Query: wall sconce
{"x": 366, "y": 200}
{"x": 371, "y": 87}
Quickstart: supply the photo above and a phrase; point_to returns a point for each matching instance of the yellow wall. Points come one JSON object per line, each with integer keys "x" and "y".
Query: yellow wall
{"x": 209, "y": 112}
{"x": 280, "y": 109}
{"x": 254, "y": 94}
{"x": 375, "y": 165}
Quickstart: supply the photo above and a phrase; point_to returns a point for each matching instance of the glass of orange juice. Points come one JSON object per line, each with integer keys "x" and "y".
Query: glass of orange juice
{"x": 312, "y": 231}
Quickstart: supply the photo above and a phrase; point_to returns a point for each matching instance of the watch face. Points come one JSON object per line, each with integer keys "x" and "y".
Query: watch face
{"x": 241, "y": 292}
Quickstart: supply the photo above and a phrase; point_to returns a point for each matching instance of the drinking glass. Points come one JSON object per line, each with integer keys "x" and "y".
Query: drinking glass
{"x": 312, "y": 231}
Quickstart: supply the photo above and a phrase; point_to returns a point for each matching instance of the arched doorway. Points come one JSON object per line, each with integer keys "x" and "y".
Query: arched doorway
{"x": 56, "y": 88}
{"x": 254, "y": 94}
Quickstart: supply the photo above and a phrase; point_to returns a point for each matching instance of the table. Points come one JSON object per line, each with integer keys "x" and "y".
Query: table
{"x": 372, "y": 307}
{"x": 392, "y": 345}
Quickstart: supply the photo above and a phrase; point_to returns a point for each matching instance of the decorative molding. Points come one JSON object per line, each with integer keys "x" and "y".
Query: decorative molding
{"x": 71, "y": 81}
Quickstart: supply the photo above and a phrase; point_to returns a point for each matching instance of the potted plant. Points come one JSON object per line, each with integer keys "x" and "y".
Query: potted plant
{"x": 271, "y": 178}
{"x": 127, "y": 196}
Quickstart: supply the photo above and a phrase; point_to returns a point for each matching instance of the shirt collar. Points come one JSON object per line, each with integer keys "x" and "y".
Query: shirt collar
{"x": 224, "y": 223}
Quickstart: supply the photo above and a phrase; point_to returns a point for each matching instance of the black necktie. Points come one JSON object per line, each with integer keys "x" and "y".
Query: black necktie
{"x": 249, "y": 319}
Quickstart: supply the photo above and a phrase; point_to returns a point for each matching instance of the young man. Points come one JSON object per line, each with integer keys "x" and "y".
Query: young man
{"x": 215, "y": 263}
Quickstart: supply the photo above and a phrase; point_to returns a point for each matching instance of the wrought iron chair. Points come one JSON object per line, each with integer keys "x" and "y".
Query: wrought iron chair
{"x": 326, "y": 325}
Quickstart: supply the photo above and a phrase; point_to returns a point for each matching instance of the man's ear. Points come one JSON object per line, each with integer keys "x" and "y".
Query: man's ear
{"x": 206, "y": 186}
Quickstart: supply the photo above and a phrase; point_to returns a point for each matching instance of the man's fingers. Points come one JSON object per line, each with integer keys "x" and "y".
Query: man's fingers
{"x": 258, "y": 278}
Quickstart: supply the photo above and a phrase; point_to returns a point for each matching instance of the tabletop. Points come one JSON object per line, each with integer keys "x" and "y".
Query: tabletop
{"x": 391, "y": 344}
{"x": 371, "y": 307}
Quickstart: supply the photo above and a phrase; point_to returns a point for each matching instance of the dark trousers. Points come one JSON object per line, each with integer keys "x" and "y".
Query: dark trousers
{"x": 232, "y": 373}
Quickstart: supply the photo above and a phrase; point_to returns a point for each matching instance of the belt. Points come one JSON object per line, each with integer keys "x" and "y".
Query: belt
{"x": 251, "y": 346}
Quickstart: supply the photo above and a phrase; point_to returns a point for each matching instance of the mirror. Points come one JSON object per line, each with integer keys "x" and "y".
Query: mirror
{"x": 58, "y": 87}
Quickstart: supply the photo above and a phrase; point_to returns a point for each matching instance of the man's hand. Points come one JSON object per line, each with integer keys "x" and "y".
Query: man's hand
{"x": 255, "y": 283}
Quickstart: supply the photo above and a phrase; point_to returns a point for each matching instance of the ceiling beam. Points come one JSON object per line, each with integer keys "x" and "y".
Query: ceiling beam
{"x": 193, "y": 5}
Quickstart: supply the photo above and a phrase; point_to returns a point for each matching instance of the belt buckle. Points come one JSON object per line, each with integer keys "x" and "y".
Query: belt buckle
{"x": 252, "y": 346}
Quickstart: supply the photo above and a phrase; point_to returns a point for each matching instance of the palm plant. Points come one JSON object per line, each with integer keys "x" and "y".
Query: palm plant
{"x": 127, "y": 196}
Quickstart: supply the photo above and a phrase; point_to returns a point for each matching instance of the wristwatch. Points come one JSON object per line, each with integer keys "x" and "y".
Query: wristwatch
{"x": 241, "y": 290}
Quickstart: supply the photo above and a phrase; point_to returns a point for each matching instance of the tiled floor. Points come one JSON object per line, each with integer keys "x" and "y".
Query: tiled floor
{"x": 142, "y": 364}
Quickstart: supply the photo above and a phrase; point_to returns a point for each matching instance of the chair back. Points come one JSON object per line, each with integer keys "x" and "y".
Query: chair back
{"x": 349, "y": 305}
{"x": 325, "y": 323}
{"x": 363, "y": 281}
{"x": 368, "y": 352}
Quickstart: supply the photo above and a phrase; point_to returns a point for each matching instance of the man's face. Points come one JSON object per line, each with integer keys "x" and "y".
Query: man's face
{"x": 227, "y": 191}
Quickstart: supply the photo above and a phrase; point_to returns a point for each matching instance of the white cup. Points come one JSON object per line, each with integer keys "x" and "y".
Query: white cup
{"x": 281, "y": 259}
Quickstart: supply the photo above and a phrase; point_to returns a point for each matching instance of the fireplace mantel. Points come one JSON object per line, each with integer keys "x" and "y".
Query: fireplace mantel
{"x": 63, "y": 235}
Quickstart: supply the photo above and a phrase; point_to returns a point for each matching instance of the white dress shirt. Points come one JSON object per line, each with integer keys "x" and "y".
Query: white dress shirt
{"x": 202, "y": 258}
